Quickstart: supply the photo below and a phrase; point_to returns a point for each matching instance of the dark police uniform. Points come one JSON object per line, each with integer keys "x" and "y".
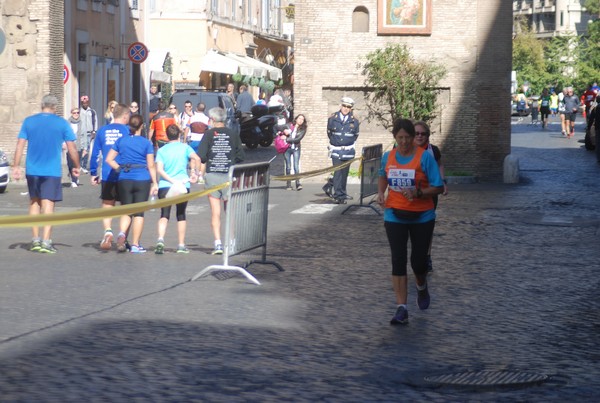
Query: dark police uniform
{"x": 342, "y": 131}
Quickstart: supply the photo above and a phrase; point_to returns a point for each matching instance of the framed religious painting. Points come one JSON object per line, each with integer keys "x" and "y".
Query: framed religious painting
{"x": 404, "y": 17}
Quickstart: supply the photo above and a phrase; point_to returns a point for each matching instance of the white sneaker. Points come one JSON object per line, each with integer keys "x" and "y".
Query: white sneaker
{"x": 85, "y": 171}
{"x": 74, "y": 185}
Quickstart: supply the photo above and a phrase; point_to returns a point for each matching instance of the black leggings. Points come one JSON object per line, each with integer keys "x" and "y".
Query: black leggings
{"x": 165, "y": 212}
{"x": 131, "y": 191}
{"x": 420, "y": 237}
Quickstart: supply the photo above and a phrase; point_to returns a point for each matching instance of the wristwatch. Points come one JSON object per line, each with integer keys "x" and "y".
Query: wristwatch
{"x": 419, "y": 193}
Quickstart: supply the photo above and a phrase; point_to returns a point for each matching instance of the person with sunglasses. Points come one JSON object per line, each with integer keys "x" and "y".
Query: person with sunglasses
{"x": 422, "y": 134}
{"x": 134, "y": 108}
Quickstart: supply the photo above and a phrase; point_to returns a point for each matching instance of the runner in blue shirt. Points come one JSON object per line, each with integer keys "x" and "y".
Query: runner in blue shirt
{"x": 133, "y": 157}
{"x": 44, "y": 135}
{"x": 106, "y": 137}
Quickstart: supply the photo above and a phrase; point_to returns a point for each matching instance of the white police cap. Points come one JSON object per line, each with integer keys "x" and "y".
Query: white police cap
{"x": 348, "y": 101}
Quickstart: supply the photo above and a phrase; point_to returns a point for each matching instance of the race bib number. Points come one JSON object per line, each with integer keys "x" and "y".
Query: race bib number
{"x": 399, "y": 179}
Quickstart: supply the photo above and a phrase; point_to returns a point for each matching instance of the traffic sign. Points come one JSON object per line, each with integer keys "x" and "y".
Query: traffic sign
{"x": 66, "y": 74}
{"x": 137, "y": 52}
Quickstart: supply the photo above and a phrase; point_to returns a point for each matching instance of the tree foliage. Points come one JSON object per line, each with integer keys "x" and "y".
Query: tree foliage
{"x": 559, "y": 61}
{"x": 400, "y": 86}
{"x": 592, "y": 6}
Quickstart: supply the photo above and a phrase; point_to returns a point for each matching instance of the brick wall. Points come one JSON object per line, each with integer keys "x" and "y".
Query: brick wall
{"x": 472, "y": 39}
{"x": 31, "y": 64}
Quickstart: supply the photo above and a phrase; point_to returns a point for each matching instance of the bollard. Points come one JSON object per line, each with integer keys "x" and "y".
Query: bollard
{"x": 511, "y": 169}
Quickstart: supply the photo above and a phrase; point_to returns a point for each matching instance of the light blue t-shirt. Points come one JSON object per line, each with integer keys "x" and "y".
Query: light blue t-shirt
{"x": 175, "y": 158}
{"x": 431, "y": 170}
{"x": 45, "y": 134}
{"x": 106, "y": 137}
{"x": 133, "y": 152}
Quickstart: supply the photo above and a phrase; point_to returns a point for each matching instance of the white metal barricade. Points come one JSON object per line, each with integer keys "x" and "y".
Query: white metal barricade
{"x": 245, "y": 218}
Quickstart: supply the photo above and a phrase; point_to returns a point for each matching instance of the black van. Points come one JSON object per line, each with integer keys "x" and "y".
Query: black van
{"x": 211, "y": 99}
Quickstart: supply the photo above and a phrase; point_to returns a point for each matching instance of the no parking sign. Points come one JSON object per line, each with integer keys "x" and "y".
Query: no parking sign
{"x": 137, "y": 52}
{"x": 66, "y": 74}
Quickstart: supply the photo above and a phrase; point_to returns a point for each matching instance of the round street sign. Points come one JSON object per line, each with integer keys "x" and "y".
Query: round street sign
{"x": 65, "y": 74}
{"x": 137, "y": 52}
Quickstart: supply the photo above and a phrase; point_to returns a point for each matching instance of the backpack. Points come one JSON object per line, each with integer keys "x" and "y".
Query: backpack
{"x": 280, "y": 144}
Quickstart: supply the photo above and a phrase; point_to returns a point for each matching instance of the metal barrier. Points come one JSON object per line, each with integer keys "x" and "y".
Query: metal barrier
{"x": 245, "y": 217}
{"x": 369, "y": 175}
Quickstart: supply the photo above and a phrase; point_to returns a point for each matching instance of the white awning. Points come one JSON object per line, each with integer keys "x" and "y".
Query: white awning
{"x": 218, "y": 63}
{"x": 156, "y": 59}
{"x": 231, "y": 63}
{"x": 260, "y": 69}
{"x": 160, "y": 76}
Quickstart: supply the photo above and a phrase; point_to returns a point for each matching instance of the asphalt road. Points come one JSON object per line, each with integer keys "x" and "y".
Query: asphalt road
{"x": 514, "y": 290}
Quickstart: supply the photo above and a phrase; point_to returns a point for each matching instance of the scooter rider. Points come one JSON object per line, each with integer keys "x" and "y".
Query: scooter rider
{"x": 342, "y": 130}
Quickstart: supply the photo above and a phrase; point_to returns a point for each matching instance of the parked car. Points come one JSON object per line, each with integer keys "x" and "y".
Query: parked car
{"x": 4, "y": 171}
{"x": 211, "y": 99}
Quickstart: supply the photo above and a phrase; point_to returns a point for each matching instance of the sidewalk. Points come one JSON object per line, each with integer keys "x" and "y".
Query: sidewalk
{"x": 514, "y": 288}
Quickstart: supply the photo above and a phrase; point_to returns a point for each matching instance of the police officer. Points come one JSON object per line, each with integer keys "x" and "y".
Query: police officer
{"x": 342, "y": 130}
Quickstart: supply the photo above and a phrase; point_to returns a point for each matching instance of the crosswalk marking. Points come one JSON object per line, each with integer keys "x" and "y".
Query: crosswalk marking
{"x": 315, "y": 209}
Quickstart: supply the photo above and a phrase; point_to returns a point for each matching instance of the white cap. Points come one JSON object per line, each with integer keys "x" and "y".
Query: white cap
{"x": 348, "y": 101}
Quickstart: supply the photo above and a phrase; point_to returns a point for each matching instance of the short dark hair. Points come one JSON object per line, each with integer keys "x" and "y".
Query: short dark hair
{"x": 135, "y": 122}
{"x": 405, "y": 124}
{"x": 162, "y": 106}
{"x": 201, "y": 107}
{"x": 173, "y": 132}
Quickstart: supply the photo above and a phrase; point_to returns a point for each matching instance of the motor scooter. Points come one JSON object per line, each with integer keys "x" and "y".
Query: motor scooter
{"x": 259, "y": 127}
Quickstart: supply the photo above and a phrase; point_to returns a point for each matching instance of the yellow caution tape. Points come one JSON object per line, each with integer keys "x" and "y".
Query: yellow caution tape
{"x": 90, "y": 215}
{"x": 315, "y": 173}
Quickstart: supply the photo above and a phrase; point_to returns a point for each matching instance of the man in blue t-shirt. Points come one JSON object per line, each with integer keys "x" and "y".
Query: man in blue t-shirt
{"x": 105, "y": 138}
{"x": 44, "y": 134}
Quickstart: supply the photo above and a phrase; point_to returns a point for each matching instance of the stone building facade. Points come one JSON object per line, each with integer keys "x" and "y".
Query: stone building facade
{"x": 472, "y": 39}
{"x": 31, "y": 65}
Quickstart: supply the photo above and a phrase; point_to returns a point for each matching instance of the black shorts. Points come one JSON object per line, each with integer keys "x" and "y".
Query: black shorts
{"x": 570, "y": 116}
{"x": 44, "y": 187}
{"x": 110, "y": 191}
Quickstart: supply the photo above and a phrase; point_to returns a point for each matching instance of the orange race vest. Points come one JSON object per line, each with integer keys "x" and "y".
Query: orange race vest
{"x": 160, "y": 128}
{"x": 403, "y": 176}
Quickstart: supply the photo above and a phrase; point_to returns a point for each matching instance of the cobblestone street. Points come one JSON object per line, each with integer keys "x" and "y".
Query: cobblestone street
{"x": 514, "y": 288}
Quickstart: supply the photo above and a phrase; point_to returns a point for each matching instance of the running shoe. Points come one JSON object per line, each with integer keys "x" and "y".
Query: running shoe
{"x": 121, "y": 243}
{"x": 298, "y": 187}
{"x": 182, "y": 249}
{"x": 47, "y": 247}
{"x": 159, "y": 249}
{"x": 106, "y": 243}
{"x": 218, "y": 250}
{"x": 36, "y": 245}
{"x": 137, "y": 249}
{"x": 400, "y": 317}
{"x": 423, "y": 298}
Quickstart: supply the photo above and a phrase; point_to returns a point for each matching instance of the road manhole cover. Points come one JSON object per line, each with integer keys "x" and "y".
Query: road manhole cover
{"x": 488, "y": 378}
